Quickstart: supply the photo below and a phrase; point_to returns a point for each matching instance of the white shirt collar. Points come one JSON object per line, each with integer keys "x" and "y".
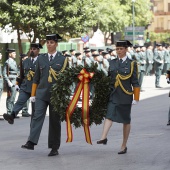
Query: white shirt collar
{"x": 35, "y": 58}
{"x": 124, "y": 58}
{"x": 54, "y": 54}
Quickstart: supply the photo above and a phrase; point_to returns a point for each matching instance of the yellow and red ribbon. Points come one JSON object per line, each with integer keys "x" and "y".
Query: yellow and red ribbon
{"x": 83, "y": 86}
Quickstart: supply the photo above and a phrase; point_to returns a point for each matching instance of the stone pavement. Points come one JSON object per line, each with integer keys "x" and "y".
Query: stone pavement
{"x": 148, "y": 145}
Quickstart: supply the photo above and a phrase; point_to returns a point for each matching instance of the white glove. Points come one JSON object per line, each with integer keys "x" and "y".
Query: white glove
{"x": 134, "y": 102}
{"x": 10, "y": 84}
{"x": 168, "y": 81}
{"x": 32, "y": 99}
{"x": 161, "y": 61}
{"x": 144, "y": 62}
{"x": 17, "y": 88}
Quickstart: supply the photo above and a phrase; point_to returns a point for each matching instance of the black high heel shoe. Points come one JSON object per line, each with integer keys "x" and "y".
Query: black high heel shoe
{"x": 123, "y": 151}
{"x": 104, "y": 141}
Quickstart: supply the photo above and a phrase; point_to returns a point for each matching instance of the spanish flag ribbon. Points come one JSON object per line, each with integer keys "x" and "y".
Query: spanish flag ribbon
{"x": 83, "y": 86}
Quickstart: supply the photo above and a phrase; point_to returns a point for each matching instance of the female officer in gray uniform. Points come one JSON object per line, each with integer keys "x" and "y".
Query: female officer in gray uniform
{"x": 10, "y": 72}
{"x": 124, "y": 75}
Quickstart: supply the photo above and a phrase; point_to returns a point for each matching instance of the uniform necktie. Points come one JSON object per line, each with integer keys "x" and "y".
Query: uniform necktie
{"x": 51, "y": 58}
{"x": 32, "y": 60}
{"x": 120, "y": 60}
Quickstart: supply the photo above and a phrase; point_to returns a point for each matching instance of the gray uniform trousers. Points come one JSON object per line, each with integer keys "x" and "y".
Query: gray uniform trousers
{"x": 149, "y": 68}
{"x": 21, "y": 101}
{"x": 158, "y": 72}
{"x": 11, "y": 95}
{"x": 38, "y": 120}
{"x": 25, "y": 107}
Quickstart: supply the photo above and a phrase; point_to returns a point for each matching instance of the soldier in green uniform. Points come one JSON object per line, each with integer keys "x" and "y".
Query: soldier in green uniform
{"x": 26, "y": 76}
{"x": 158, "y": 60}
{"x": 149, "y": 59}
{"x": 123, "y": 73}
{"x": 166, "y": 59}
{"x": 142, "y": 63}
{"x": 10, "y": 72}
{"x": 1, "y": 80}
{"x": 47, "y": 67}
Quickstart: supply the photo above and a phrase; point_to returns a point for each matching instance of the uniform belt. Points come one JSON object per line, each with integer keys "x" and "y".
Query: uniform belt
{"x": 12, "y": 73}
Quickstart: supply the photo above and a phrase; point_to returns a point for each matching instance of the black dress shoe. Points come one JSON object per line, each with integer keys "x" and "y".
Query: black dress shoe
{"x": 26, "y": 115}
{"x": 104, "y": 141}
{"x": 168, "y": 123}
{"x": 53, "y": 152}
{"x": 29, "y": 145}
{"x": 8, "y": 118}
{"x": 123, "y": 151}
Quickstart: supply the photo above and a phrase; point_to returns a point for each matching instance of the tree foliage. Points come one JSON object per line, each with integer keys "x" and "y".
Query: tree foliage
{"x": 71, "y": 18}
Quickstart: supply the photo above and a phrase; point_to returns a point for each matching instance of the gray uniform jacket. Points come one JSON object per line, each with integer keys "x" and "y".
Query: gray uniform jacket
{"x": 27, "y": 67}
{"x": 166, "y": 56}
{"x": 118, "y": 95}
{"x": 10, "y": 71}
{"x": 142, "y": 61}
{"x": 43, "y": 65}
{"x": 158, "y": 57}
{"x": 149, "y": 56}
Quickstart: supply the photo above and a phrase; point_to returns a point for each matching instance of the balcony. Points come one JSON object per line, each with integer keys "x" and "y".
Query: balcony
{"x": 157, "y": 13}
{"x": 159, "y": 29}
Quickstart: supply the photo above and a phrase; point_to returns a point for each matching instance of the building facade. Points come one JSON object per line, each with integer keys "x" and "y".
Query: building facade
{"x": 161, "y": 19}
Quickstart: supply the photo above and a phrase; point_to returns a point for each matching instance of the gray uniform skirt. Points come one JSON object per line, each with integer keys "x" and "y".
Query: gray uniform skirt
{"x": 120, "y": 113}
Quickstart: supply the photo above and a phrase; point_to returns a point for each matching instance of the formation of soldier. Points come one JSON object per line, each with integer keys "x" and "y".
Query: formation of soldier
{"x": 151, "y": 61}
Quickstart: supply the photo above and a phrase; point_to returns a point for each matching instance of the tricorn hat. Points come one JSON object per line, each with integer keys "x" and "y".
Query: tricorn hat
{"x": 54, "y": 37}
{"x": 123, "y": 43}
{"x": 36, "y": 45}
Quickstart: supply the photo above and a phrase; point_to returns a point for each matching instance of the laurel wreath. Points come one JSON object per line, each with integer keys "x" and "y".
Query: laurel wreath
{"x": 61, "y": 94}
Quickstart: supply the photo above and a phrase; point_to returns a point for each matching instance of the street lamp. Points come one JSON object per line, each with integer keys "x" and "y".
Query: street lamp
{"x": 133, "y": 20}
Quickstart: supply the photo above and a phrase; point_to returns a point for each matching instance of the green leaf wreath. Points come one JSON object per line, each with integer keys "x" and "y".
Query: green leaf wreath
{"x": 61, "y": 93}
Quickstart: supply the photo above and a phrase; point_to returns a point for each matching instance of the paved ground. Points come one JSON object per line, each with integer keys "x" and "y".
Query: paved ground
{"x": 148, "y": 145}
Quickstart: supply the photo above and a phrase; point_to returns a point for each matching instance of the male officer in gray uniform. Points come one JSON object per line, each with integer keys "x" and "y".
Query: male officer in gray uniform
{"x": 88, "y": 59}
{"x": 10, "y": 72}
{"x": 26, "y": 76}
{"x": 48, "y": 63}
{"x": 158, "y": 60}
{"x": 166, "y": 59}
{"x": 149, "y": 59}
{"x": 142, "y": 62}
{"x": 1, "y": 80}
